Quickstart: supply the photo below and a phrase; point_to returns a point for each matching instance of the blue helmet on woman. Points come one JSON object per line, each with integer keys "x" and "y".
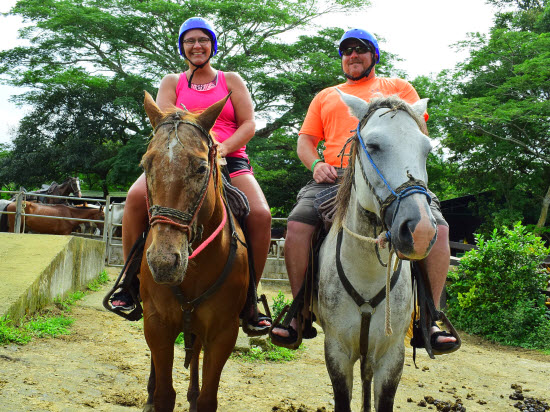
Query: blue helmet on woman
{"x": 197, "y": 23}
{"x": 363, "y": 36}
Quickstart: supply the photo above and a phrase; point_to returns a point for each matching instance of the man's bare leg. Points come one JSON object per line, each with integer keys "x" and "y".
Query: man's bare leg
{"x": 297, "y": 242}
{"x": 436, "y": 265}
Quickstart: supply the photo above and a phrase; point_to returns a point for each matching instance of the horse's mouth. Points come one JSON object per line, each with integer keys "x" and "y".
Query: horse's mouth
{"x": 167, "y": 268}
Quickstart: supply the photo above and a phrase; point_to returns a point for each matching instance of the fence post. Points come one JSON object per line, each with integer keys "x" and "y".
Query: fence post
{"x": 18, "y": 204}
{"x": 107, "y": 221}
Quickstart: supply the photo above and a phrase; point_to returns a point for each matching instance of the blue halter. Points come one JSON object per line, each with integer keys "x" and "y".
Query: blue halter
{"x": 407, "y": 191}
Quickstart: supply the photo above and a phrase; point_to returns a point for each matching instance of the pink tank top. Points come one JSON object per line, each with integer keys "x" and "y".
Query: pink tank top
{"x": 194, "y": 100}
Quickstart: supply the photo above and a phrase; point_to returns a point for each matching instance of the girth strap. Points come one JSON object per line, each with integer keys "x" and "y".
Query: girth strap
{"x": 367, "y": 307}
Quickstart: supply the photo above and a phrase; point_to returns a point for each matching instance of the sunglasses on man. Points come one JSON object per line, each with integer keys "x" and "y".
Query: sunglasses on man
{"x": 358, "y": 49}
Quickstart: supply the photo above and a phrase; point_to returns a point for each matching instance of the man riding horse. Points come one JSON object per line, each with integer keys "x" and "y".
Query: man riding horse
{"x": 329, "y": 120}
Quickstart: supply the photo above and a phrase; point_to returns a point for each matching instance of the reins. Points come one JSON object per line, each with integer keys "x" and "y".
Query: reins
{"x": 166, "y": 215}
{"x": 160, "y": 214}
{"x": 412, "y": 186}
{"x": 407, "y": 189}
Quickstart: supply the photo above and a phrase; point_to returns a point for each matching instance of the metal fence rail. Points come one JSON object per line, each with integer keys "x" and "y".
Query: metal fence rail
{"x": 21, "y": 195}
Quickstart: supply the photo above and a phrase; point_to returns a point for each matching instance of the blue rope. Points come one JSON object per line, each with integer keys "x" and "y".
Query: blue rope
{"x": 411, "y": 190}
{"x": 372, "y": 161}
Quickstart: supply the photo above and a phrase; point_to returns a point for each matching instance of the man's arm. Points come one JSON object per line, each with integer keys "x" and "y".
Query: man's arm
{"x": 307, "y": 152}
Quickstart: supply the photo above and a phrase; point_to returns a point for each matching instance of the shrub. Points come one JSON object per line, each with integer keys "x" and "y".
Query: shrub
{"x": 496, "y": 291}
{"x": 279, "y": 303}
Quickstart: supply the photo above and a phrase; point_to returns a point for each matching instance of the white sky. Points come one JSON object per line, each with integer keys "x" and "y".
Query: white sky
{"x": 419, "y": 31}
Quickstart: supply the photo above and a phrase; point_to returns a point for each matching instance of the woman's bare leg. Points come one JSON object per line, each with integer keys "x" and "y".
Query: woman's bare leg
{"x": 258, "y": 222}
{"x": 134, "y": 220}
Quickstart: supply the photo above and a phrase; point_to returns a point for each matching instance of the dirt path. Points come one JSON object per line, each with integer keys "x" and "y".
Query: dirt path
{"x": 104, "y": 364}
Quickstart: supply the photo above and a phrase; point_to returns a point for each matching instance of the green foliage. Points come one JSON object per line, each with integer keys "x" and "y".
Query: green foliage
{"x": 44, "y": 325}
{"x": 67, "y": 303}
{"x": 494, "y": 114}
{"x": 11, "y": 334}
{"x": 496, "y": 291}
{"x": 48, "y": 326}
{"x": 269, "y": 353}
{"x": 88, "y": 63}
{"x": 96, "y": 284}
{"x": 279, "y": 303}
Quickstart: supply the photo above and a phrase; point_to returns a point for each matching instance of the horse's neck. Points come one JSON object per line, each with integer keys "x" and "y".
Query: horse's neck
{"x": 359, "y": 220}
{"x": 358, "y": 250}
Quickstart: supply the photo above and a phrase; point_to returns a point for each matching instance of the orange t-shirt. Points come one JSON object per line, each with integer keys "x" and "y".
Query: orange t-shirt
{"x": 328, "y": 117}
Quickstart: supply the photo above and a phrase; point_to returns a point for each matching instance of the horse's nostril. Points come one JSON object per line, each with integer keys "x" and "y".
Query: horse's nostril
{"x": 177, "y": 259}
{"x": 406, "y": 229}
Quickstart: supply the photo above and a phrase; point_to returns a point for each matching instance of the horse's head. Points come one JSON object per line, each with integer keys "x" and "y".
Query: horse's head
{"x": 75, "y": 186}
{"x": 178, "y": 164}
{"x": 389, "y": 165}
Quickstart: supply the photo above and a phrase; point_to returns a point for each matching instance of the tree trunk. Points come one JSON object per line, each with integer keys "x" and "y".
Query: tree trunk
{"x": 544, "y": 210}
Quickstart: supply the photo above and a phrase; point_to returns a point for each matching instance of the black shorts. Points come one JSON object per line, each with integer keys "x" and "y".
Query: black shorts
{"x": 237, "y": 166}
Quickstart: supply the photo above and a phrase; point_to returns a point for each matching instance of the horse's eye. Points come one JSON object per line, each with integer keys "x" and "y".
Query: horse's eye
{"x": 373, "y": 147}
{"x": 202, "y": 170}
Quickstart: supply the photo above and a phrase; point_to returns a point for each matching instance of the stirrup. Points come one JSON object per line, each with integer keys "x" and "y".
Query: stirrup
{"x": 250, "y": 324}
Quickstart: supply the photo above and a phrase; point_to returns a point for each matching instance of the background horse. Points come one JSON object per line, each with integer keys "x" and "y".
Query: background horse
{"x": 388, "y": 153}
{"x": 70, "y": 185}
{"x": 198, "y": 292}
{"x": 53, "y": 226}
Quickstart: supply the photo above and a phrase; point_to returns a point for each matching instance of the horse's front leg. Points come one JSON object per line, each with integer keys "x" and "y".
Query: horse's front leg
{"x": 160, "y": 337}
{"x": 193, "y": 390}
{"x": 366, "y": 381}
{"x": 150, "y": 389}
{"x": 340, "y": 370}
{"x": 216, "y": 353}
{"x": 387, "y": 374}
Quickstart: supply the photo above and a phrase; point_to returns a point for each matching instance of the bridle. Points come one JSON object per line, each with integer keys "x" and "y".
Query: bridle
{"x": 407, "y": 189}
{"x": 412, "y": 186}
{"x": 166, "y": 215}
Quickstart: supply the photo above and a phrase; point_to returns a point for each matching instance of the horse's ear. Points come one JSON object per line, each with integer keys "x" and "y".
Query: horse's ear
{"x": 419, "y": 108}
{"x": 357, "y": 107}
{"x": 207, "y": 118}
{"x": 153, "y": 111}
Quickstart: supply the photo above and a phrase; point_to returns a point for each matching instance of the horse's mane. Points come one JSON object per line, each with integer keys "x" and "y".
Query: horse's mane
{"x": 392, "y": 103}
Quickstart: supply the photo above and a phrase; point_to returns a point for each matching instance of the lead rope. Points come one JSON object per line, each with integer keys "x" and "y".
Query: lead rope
{"x": 381, "y": 240}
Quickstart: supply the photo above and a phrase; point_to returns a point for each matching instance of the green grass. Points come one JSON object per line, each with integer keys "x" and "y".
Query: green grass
{"x": 48, "y": 323}
{"x": 12, "y": 334}
{"x": 270, "y": 353}
{"x": 97, "y": 283}
{"x": 48, "y": 326}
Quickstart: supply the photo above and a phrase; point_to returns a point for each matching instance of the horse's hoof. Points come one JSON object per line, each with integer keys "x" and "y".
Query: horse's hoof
{"x": 148, "y": 407}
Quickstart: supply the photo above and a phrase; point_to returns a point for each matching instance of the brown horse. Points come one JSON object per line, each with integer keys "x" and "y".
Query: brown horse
{"x": 70, "y": 185}
{"x": 39, "y": 224}
{"x": 200, "y": 293}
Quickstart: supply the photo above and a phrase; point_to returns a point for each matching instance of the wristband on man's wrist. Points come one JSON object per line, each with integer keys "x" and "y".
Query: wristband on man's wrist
{"x": 314, "y": 163}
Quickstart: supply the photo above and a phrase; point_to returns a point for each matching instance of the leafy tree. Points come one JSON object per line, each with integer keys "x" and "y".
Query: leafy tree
{"x": 496, "y": 291}
{"x": 89, "y": 62}
{"x": 497, "y": 118}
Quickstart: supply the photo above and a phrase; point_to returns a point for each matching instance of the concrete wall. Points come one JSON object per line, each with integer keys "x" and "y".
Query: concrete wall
{"x": 36, "y": 269}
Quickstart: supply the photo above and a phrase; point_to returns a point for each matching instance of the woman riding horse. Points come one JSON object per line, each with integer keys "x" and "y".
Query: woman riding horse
{"x": 196, "y": 89}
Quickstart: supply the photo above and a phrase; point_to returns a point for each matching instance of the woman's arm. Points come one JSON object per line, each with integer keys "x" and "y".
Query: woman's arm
{"x": 166, "y": 97}
{"x": 244, "y": 114}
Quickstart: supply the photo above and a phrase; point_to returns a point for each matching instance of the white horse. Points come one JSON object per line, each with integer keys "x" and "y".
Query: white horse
{"x": 385, "y": 182}
{"x": 116, "y": 213}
